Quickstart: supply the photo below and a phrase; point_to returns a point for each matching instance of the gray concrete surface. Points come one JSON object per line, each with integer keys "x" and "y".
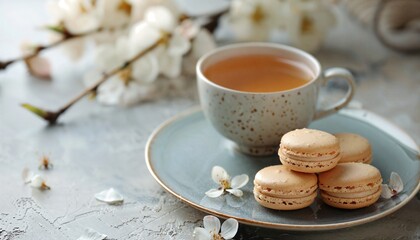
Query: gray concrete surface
{"x": 97, "y": 147}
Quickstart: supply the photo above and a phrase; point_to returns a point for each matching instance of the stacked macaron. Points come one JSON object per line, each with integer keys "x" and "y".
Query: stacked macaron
{"x": 350, "y": 185}
{"x": 280, "y": 188}
{"x": 344, "y": 180}
{"x": 354, "y": 148}
{"x": 309, "y": 150}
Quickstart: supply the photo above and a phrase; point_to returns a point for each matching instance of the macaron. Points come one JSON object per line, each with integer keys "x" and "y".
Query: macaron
{"x": 350, "y": 185}
{"x": 354, "y": 148}
{"x": 280, "y": 188}
{"x": 309, "y": 150}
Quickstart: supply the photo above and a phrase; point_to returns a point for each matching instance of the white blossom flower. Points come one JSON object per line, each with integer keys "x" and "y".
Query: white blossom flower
{"x": 221, "y": 177}
{"x": 202, "y": 43}
{"x": 37, "y": 66}
{"x": 132, "y": 84}
{"x": 255, "y": 19}
{"x": 109, "y": 196}
{"x": 34, "y": 180}
{"x": 91, "y": 234}
{"x": 171, "y": 54}
{"x": 114, "y": 13}
{"x": 212, "y": 227}
{"x": 78, "y": 16}
{"x": 394, "y": 187}
{"x": 308, "y": 23}
{"x": 139, "y": 8}
{"x": 159, "y": 23}
{"x": 38, "y": 182}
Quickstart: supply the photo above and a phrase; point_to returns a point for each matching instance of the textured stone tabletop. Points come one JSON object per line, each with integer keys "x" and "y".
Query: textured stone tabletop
{"x": 97, "y": 147}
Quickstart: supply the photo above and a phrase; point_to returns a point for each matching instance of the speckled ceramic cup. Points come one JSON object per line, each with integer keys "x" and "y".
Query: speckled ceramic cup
{"x": 257, "y": 121}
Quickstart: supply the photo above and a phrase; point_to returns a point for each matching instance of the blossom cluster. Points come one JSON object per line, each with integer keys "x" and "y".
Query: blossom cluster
{"x": 125, "y": 29}
{"x": 171, "y": 41}
{"x": 306, "y": 23}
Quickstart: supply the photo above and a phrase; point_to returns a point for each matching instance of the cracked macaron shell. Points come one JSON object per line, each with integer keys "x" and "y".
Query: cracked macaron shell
{"x": 354, "y": 148}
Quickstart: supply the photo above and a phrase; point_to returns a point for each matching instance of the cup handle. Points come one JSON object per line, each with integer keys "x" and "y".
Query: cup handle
{"x": 327, "y": 76}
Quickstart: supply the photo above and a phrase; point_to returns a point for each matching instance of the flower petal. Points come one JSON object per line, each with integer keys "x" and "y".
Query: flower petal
{"x": 91, "y": 234}
{"x": 203, "y": 43}
{"x": 229, "y": 228}
{"x": 239, "y": 181}
{"x": 110, "y": 92}
{"x": 236, "y": 192}
{"x": 218, "y": 173}
{"x": 161, "y": 18}
{"x": 395, "y": 182}
{"x": 214, "y": 193}
{"x": 178, "y": 45}
{"x": 109, "y": 196}
{"x": 142, "y": 36}
{"x": 386, "y": 192}
{"x": 170, "y": 66}
{"x": 201, "y": 234}
{"x": 37, "y": 181}
{"x": 73, "y": 48}
{"x": 39, "y": 67}
{"x": 146, "y": 69}
{"x": 188, "y": 29}
{"x": 27, "y": 175}
{"x": 136, "y": 92}
{"x": 211, "y": 224}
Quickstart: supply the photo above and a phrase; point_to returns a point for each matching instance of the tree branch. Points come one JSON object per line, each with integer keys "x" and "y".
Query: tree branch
{"x": 52, "y": 116}
{"x": 66, "y": 36}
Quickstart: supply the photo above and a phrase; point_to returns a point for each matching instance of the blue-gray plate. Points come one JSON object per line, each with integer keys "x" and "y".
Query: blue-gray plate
{"x": 182, "y": 151}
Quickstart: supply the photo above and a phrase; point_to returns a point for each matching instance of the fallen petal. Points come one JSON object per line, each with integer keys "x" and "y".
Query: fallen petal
{"x": 214, "y": 193}
{"x": 211, "y": 224}
{"x": 38, "y": 182}
{"x": 91, "y": 234}
{"x": 27, "y": 175}
{"x": 218, "y": 173}
{"x": 395, "y": 183}
{"x": 239, "y": 181}
{"x": 201, "y": 234}
{"x": 109, "y": 196}
{"x": 386, "y": 192}
{"x": 229, "y": 228}
{"x": 39, "y": 67}
{"x": 236, "y": 192}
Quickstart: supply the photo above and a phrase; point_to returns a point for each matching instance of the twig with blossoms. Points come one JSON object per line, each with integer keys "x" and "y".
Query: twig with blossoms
{"x": 52, "y": 116}
{"x": 161, "y": 41}
{"x": 37, "y": 49}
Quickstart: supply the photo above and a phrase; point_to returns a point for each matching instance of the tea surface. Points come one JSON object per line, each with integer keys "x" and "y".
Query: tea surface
{"x": 259, "y": 73}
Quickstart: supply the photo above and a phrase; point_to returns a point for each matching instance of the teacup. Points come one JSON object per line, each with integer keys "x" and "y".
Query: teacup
{"x": 256, "y": 121}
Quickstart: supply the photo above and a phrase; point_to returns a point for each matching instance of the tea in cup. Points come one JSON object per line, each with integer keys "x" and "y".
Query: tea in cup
{"x": 254, "y": 93}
